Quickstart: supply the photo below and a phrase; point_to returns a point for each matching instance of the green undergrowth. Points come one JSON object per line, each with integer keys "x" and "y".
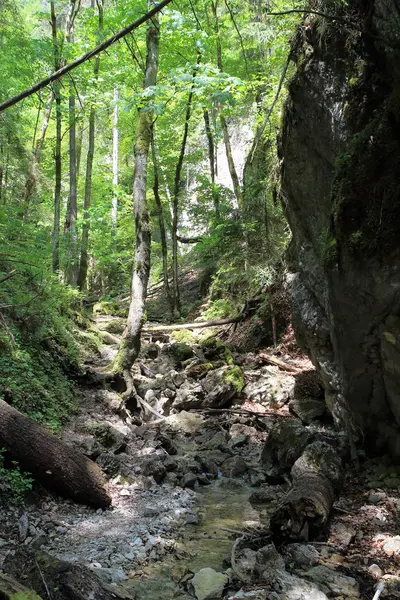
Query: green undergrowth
{"x": 14, "y": 483}
{"x": 44, "y": 336}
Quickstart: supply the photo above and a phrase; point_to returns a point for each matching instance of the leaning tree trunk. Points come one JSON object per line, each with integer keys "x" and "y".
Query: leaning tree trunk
{"x": 84, "y": 258}
{"x": 130, "y": 345}
{"x": 53, "y": 463}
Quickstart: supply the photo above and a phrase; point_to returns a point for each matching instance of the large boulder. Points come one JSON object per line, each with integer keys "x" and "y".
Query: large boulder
{"x": 340, "y": 158}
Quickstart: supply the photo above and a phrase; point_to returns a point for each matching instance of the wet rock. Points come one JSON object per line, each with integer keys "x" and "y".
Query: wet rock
{"x": 235, "y": 466}
{"x": 167, "y": 443}
{"x": 238, "y": 441}
{"x": 189, "y": 480}
{"x": 257, "y": 478}
{"x": 265, "y": 496}
{"x": 208, "y": 584}
{"x": 249, "y": 595}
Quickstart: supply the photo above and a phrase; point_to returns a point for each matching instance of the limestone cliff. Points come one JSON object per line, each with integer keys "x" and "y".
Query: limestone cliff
{"x": 340, "y": 156}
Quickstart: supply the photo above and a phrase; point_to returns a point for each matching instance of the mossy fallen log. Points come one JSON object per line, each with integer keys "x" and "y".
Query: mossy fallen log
{"x": 10, "y": 589}
{"x": 52, "y": 462}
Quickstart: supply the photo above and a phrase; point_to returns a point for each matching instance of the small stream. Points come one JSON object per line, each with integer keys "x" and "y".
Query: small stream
{"x": 224, "y": 506}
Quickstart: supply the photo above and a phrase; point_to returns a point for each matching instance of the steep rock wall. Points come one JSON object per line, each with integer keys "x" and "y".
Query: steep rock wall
{"x": 340, "y": 156}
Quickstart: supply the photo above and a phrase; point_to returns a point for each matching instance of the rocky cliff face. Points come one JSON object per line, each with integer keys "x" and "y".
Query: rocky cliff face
{"x": 341, "y": 187}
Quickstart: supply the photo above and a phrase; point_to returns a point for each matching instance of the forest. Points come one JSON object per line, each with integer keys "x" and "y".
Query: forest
{"x": 199, "y": 308}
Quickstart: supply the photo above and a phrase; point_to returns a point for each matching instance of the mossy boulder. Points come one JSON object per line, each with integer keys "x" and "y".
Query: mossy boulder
{"x": 180, "y": 351}
{"x": 184, "y": 336}
{"x": 222, "y": 385}
{"x": 213, "y": 349}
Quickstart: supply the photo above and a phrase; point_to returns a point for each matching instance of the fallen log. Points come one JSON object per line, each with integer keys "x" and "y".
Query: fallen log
{"x": 303, "y": 513}
{"x": 56, "y": 465}
{"x": 279, "y": 363}
{"x": 10, "y": 589}
{"x": 198, "y": 325}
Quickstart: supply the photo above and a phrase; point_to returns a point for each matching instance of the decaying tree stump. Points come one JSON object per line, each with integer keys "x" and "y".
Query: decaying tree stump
{"x": 53, "y": 463}
{"x": 303, "y": 513}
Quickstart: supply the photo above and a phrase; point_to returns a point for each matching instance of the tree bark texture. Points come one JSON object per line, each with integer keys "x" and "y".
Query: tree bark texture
{"x": 51, "y": 461}
{"x": 161, "y": 222}
{"x": 224, "y": 126}
{"x": 71, "y": 232}
{"x": 175, "y": 200}
{"x": 130, "y": 345}
{"x": 211, "y": 158}
{"x": 84, "y": 258}
{"x": 303, "y": 513}
{"x": 115, "y": 160}
{"x": 57, "y": 152}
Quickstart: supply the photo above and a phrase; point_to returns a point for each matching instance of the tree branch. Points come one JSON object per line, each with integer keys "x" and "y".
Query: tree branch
{"x": 79, "y": 61}
{"x": 189, "y": 240}
{"x": 310, "y": 12}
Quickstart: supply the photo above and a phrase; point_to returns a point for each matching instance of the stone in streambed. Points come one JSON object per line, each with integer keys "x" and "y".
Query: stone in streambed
{"x": 208, "y": 584}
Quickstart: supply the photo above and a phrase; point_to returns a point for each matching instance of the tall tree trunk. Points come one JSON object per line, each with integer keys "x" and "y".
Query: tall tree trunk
{"x": 71, "y": 232}
{"x": 175, "y": 199}
{"x": 161, "y": 222}
{"x": 130, "y": 346}
{"x": 115, "y": 156}
{"x": 211, "y": 157}
{"x": 224, "y": 126}
{"x": 83, "y": 264}
{"x": 57, "y": 153}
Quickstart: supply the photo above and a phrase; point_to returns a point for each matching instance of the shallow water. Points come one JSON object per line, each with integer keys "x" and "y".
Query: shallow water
{"x": 206, "y": 544}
